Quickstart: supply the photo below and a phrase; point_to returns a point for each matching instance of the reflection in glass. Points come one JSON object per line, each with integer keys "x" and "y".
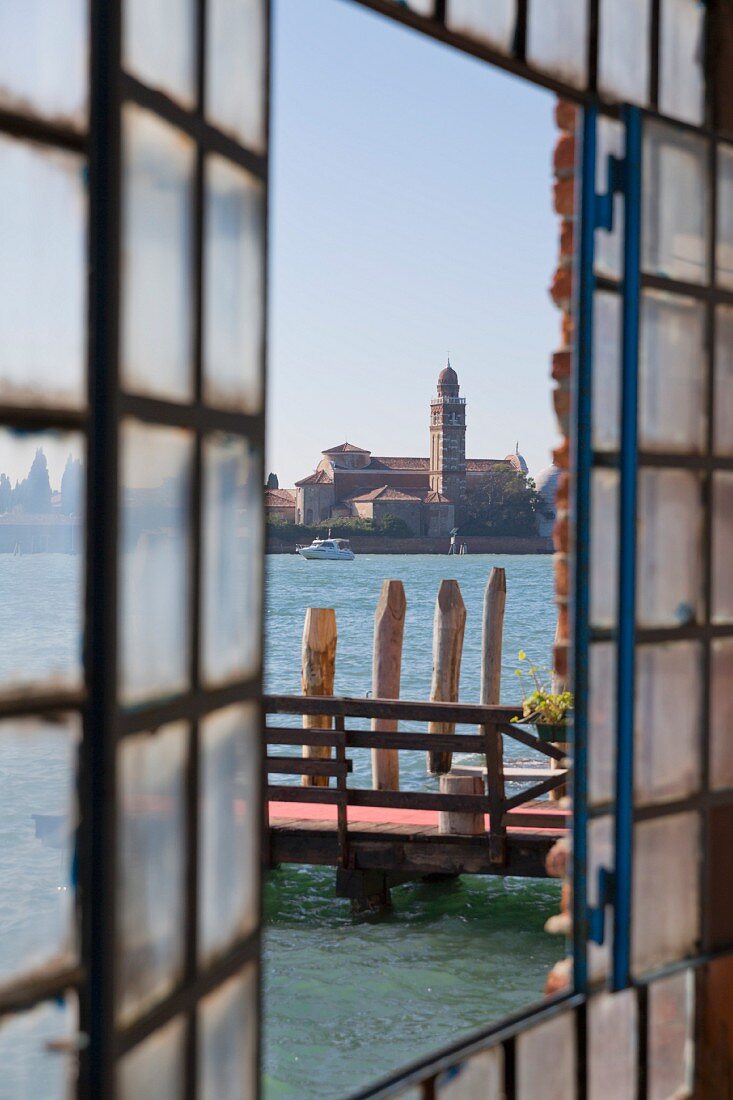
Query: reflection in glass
{"x": 604, "y": 548}
{"x": 480, "y": 1077}
{"x": 674, "y": 222}
{"x": 609, "y": 246}
{"x": 681, "y": 49}
{"x": 722, "y": 564}
{"x": 151, "y": 862}
{"x": 44, "y": 59}
{"x": 601, "y": 722}
{"x": 41, "y": 560}
{"x": 600, "y": 854}
{"x": 157, "y": 249}
{"x": 37, "y": 822}
{"x": 724, "y": 221}
{"x": 233, "y": 287}
{"x": 606, "y": 371}
{"x": 671, "y": 1008}
{"x": 491, "y": 23}
{"x": 666, "y": 855}
{"x": 667, "y": 709}
{"x": 232, "y": 582}
{"x": 154, "y": 597}
{"x": 235, "y": 69}
{"x": 669, "y": 558}
{"x": 721, "y": 714}
{"x": 612, "y": 1045}
{"x": 43, "y": 218}
{"x": 159, "y": 45}
{"x": 546, "y": 1060}
{"x": 30, "y": 1071}
{"x": 227, "y": 1036}
{"x": 556, "y": 39}
{"x": 623, "y": 52}
{"x": 672, "y": 372}
{"x": 155, "y": 1068}
{"x": 723, "y": 411}
{"x": 229, "y": 827}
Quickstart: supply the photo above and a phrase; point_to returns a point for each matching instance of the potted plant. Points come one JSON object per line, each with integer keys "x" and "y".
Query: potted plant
{"x": 547, "y": 710}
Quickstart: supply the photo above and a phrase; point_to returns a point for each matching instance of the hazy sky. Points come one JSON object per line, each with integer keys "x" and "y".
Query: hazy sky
{"x": 410, "y": 216}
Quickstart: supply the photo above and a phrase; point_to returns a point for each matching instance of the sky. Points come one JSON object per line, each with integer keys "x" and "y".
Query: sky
{"x": 411, "y": 217}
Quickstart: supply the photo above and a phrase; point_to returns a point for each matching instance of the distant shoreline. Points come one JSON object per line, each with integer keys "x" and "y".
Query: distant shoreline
{"x": 475, "y": 544}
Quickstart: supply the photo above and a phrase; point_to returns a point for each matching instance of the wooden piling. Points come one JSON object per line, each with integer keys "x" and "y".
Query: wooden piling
{"x": 558, "y": 686}
{"x": 318, "y": 667}
{"x": 389, "y": 630}
{"x": 449, "y": 626}
{"x": 451, "y": 823}
{"x": 492, "y": 642}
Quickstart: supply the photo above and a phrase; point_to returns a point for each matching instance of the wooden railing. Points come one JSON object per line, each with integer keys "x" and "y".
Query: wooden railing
{"x": 493, "y": 723}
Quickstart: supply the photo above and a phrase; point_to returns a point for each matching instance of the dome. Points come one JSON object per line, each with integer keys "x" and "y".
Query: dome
{"x": 448, "y": 376}
{"x": 546, "y": 484}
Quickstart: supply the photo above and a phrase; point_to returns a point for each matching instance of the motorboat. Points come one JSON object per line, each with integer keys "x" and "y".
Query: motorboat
{"x": 327, "y": 550}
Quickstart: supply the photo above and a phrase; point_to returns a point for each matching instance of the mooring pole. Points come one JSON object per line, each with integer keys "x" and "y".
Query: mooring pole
{"x": 449, "y": 626}
{"x": 389, "y": 630}
{"x": 492, "y": 641}
{"x": 318, "y": 667}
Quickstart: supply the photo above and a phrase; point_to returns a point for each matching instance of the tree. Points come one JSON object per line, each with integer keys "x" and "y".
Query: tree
{"x": 507, "y": 504}
{"x": 6, "y": 493}
{"x": 272, "y": 482}
{"x": 72, "y": 487}
{"x": 33, "y": 494}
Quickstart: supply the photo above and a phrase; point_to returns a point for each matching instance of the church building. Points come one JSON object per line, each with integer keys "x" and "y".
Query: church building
{"x": 429, "y": 494}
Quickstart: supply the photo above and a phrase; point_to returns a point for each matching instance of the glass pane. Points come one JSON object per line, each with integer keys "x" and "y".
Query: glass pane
{"x": 669, "y": 548}
{"x": 490, "y": 23}
{"x": 723, "y": 414}
{"x": 668, "y": 720}
{"x": 666, "y": 854}
{"x": 721, "y": 714}
{"x": 31, "y": 1068}
{"x": 232, "y": 583}
{"x": 672, "y": 370}
{"x": 546, "y": 1060}
{"x": 235, "y": 69}
{"x": 673, "y": 240}
{"x": 601, "y": 720}
{"x": 41, "y": 560}
{"x": 154, "y": 602}
{"x": 623, "y": 52}
{"x": 606, "y": 371}
{"x": 229, "y": 827}
{"x": 159, "y": 45}
{"x": 43, "y": 220}
{"x": 604, "y": 547}
{"x": 724, "y": 227}
{"x": 671, "y": 1006}
{"x": 722, "y": 545}
{"x": 600, "y": 854}
{"x": 557, "y": 38}
{"x": 480, "y": 1077}
{"x": 227, "y": 1038}
{"x": 612, "y": 1046}
{"x": 233, "y": 287}
{"x": 155, "y": 1068}
{"x": 44, "y": 59}
{"x": 151, "y": 865}
{"x": 157, "y": 257}
{"x": 718, "y": 876}
{"x": 608, "y": 258}
{"x": 681, "y": 49}
{"x": 38, "y": 818}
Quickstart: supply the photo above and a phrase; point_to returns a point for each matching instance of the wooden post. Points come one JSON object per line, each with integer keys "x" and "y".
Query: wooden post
{"x": 558, "y": 686}
{"x": 452, "y": 823}
{"x": 449, "y": 625}
{"x": 492, "y": 640}
{"x": 318, "y": 666}
{"x": 389, "y": 629}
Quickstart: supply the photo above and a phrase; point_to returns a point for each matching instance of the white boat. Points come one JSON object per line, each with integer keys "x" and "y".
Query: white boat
{"x": 327, "y": 550}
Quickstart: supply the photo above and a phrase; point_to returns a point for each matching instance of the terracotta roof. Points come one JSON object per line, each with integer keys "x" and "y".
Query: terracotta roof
{"x": 481, "y": 465}
{"x": 385, "y": 492}
{"x": 345, "y": 448}
{"x": 434, "y": 497}
{"x": 278, "y": 498}
{"x": 320, "y": 477}
{"x": 399, "y": 463}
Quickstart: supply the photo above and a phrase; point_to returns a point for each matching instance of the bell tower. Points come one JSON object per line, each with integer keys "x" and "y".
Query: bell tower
{"x": 448, "y": 441}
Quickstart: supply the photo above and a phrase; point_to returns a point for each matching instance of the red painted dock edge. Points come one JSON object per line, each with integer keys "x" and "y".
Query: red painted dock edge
{"x": 375, "y": 815}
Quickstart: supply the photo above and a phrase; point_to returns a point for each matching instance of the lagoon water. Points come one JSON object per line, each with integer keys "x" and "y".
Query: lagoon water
{"x": 349, "y": 999}
{"x": 346, "y": 999}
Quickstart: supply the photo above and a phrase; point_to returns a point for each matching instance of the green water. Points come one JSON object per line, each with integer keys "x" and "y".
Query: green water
{"x": 349, "y": 999}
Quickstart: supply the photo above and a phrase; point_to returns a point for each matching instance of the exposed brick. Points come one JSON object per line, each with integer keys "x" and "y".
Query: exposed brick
{"x": 561, "y": 533}
{"x": 563, "y": 160}
{"x": 561, "y": 401}
{"x": 561, "y": 288}
{"x": 559, "y": 977}
{"x": 566, "y": 114}
{"x": 561, "y": 455}
{"x": 562, "y": 496}
{"x": 560, "y": 661}
{"x": 564, "y": 197}
{"x": 562, "y": 582}
{"x": 562, "y": 365}
{"x": 557, "y": 860}
{"x": 563, "y": 621}
{"x": 567, "y": 245}
{"x": 566, "y": 329}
